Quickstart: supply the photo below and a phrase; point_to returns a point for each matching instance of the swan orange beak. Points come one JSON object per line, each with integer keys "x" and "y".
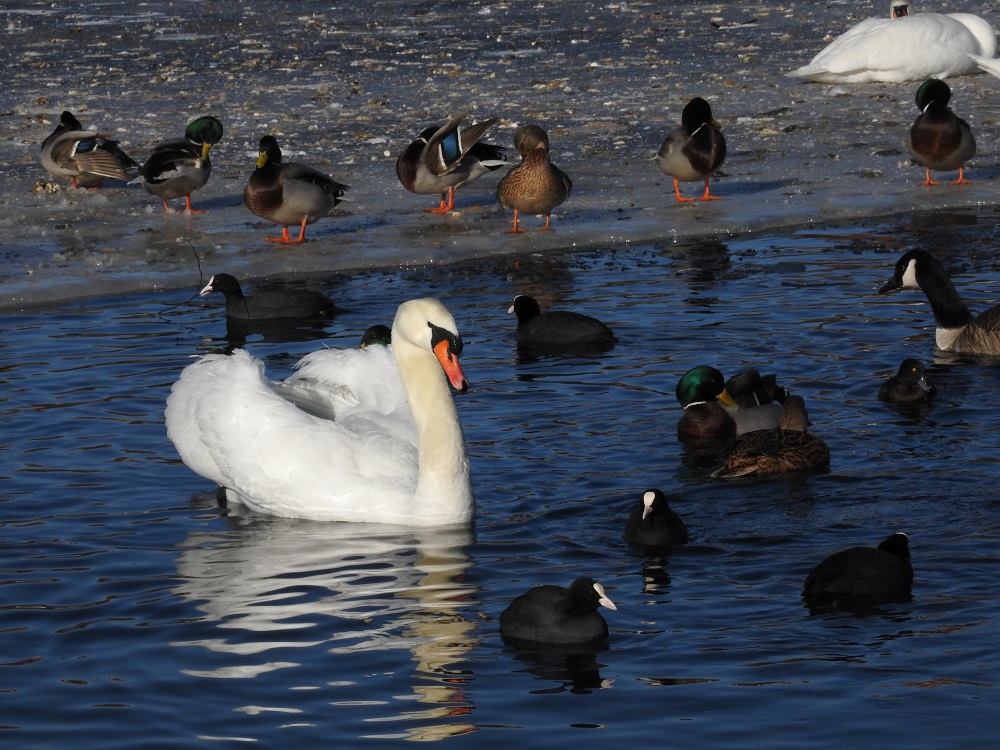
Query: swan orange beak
{"x": 449, "y": 363}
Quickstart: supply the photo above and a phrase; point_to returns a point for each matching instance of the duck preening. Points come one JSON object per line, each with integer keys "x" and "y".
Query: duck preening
{"x": 694, "y": 151}
{"x": 536, "y": 185}
{"x": 556, "y": 615}
{"x": 862, "y": 575}
{"x": 365, "y": 435}
{"x": 447, "y": 157}
{"x": 957, "y": 329}
{"x": 289, "y": 194}
{"x": 179, "y": 166}
{"x": 85, "y": 157}
{"x": 939, "y": 139}
{"x": 904, "y": 47}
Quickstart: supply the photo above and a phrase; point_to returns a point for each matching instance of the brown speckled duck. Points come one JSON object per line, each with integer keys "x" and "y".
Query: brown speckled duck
{"x": 83, "y": 156}
{"x": 939, "y": 139}
{"x": 289, "y": 194}
{"x": 536, "y": 185}
{"x": 790, "y": 449}
{"x": 694, "y": 151}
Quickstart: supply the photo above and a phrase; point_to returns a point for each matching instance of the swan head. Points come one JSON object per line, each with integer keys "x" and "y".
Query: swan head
{"x": 427, "y": 324}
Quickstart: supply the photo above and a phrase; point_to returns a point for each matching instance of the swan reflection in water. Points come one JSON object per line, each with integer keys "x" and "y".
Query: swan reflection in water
{"x": 381, "y": 588}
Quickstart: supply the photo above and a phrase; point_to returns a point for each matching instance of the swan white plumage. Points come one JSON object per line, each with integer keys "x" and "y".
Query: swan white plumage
{"x": 363, "y": 435}
{"x": 904, "y": 47}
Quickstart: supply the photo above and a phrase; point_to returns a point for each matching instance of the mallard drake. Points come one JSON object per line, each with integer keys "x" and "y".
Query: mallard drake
{"x": 904, "y": 47}
{"x": 376, "y": 335}
{"x": 536, "y": 185}
{"x": 268, "y": 304}
{"x": 557, "y": 615}
{"x": 557, "y": 329}
{"x": 84, "y": 156}
{"x": 957, "y": 330}
{"x": 289, "y": 194}
{"x": 939, "y": 139}
{"x": 653, "y": 523}
{"x": 694, "y": 151}
{"x": 446, "y": 157}
{"x": 862, "y": 574}
{"x": 716, "y": 408}
{"x": 789, "y": 449}
{"x": 178, "y": 167}
{"x": 907, "y": 386}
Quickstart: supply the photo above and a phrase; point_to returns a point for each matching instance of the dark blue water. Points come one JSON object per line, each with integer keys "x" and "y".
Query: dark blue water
{"x": 136, "y": 613}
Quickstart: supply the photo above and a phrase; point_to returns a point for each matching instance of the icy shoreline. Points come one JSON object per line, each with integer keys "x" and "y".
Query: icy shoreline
{"x": 346, "y": 89}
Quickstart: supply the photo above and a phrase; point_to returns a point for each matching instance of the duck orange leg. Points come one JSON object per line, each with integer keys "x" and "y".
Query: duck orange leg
{"x": 708, "y": 196}
{"x": 961, "y": 180}
{"x": 928, "y": 181}
{"x": 515, "y": 229}
{"x": 677, "y": 192}
{"x": 286, "y": 238}
{"x": 546, "y": 227}
{"x": 188, "y": 208}
{"x": 446, "y": 204}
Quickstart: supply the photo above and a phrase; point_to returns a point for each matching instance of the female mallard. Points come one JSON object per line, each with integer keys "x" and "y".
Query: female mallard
{"x": 716, "y": 408}
{"x": 84, "y": 156}
{"x": 907, "y": 386}
{"x": 289, "y": 193}
{"x": 789, "y": 449}
{"x": 694, "y": 151}
{"x": 939, "y": 139}
{"x": 904, "y": 47}
{"x": 536, "y": 185}
{"x": 862, "y": 574}
{"x": 653, "y": 523}
{"x": 179, "y": 166}
{"x": 558, "y": 329}
{"x": 957, "y": 330}
{"x": 447, "y": 157}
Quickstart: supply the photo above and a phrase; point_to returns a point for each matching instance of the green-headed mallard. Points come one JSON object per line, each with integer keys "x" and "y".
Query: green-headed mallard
{"x": 289, "y": 194}
{"x": 716, "y": 408}
{"x": 907, "y": 386}
{"x": 377, "y": 334}
{"x": 84, "y": 156}
{"x": 939, "y": 139}
{"x": 694, "y": 151}
{"x": 557, "y": 329}
{"x": 269, "y": 304}
{"x": 557, "y": 615}
{"x": 446, "y": 157}
{"x": 957, "y": 330}
{"x": 179, "y": 166}
{"x": 536, "y": 185}
{"x": 653, "y": 523}
{"x": 862, "y": 575}
{"x": 789, "y": 449}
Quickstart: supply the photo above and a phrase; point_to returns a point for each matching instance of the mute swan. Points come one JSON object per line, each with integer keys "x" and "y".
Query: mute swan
{"x": 904, "y": 47}
{"x": 694, "y": 151}
{"x": 957, "y": 330}
{"x": 377, "y": 437}
{"x": 446, "y": 157}
{"x": 536, "y": 185}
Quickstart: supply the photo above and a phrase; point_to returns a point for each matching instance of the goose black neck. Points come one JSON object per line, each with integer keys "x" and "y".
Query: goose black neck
{"x": 949, "y": 309}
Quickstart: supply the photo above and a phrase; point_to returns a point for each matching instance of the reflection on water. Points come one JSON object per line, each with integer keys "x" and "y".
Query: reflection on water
{"x": 362, "y": 587}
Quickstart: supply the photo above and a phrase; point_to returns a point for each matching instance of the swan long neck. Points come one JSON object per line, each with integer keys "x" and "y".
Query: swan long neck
{"x": 443, "y": 494}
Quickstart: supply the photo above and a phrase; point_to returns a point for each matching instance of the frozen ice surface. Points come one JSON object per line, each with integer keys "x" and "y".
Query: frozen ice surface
{"x": 346, "y": 87}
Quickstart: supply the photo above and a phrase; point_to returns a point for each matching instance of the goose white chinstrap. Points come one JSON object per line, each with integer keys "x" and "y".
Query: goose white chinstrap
{"x": 375, "y": 436}
{"x": 907, "y": 46}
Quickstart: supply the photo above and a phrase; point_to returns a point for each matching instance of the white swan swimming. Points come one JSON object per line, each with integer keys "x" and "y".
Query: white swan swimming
{"x": 375, "y": 436}
{"x": 904, "y": 47}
